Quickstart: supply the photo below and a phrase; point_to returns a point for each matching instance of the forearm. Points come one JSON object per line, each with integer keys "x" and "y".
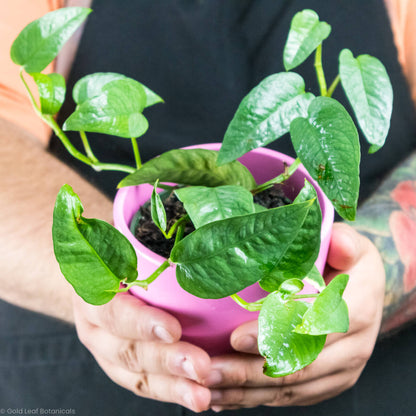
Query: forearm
{"x": 388, "y": 218}
{"x": 30, "y": 180}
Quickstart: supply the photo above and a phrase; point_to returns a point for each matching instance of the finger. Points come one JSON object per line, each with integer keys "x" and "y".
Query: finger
{"x": 303, "y": 394}
{"x": 345, "y": 248}
{"x": 160, "y": 387}
{"x": 180, "y": 358}
{"x": 244, "y": 338}
{"x": 129, "y": 317}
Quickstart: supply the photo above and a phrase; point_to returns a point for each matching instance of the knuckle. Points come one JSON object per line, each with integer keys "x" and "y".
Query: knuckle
{"x": 129, "y": 356}
{"x": 284, "y": 396}
{"x": 141, "y": 387}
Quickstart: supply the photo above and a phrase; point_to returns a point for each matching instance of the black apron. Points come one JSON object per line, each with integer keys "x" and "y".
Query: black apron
{"x": 202, "y": 57}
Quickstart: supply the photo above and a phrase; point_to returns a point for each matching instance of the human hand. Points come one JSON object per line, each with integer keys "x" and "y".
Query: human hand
{"x": 237, "y": 381}
{"x": 138, "y": 347}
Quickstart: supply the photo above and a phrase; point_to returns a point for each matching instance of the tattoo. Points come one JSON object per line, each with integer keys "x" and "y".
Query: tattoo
{"x": 388, "y": 218}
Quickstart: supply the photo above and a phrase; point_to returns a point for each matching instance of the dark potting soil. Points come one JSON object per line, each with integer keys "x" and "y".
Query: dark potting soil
{"x": 151, "y": 237}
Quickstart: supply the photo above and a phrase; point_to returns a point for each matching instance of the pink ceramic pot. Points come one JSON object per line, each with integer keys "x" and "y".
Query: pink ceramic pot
{"x": 209, "y": 323}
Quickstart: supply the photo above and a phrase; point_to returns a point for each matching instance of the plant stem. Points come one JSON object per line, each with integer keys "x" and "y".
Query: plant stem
{"x": 32, "y": 99}
{"x": 145, "y": 283}
{"x": 252, "y": 307}
{"x": 320, "y": 70}
{"x": 87, "y": 147}
{"x": 332, "y": 87}
{"x": 183, "y": 220}
{"x": 72, "y": 150}
{"x": 311, "y": 295}
{"x": 179, "y": 233}
{"x": 289, "y": 171}
{"x": 136, "y": 152}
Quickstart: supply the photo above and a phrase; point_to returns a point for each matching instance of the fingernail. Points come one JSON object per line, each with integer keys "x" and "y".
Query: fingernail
{"x": 246, "y": 343}
{"x": 162, "y": 334}
{"x": 214, "y": 377}
{"x": 189, "y": 369}
{"x": 217, "y": 409}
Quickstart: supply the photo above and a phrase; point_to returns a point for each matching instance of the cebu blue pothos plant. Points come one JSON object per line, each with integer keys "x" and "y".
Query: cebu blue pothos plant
{"x": 236, "y": 243}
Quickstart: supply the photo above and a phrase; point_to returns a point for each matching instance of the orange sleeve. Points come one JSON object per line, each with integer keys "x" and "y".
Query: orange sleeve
{"x": 402, "y": 15}
{"x": 14, "y": 102}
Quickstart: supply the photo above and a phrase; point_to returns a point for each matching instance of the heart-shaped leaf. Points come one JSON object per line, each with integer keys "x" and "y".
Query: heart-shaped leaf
{"x": 205, "y": 205}
{"x": 288, "y": 268}
{"x": 223, "y": 257}
{"x": 368, "y": 88}
{"x": 327, "y": 143}
{"x": 39, "y": 42}
{"x": 265, "y": 114}
{"x": 305, "y": 35}
{"x": 51, "y": 88}
{"x": 285, "y": 351}
{"x": 191, "y": 167}
{"x": 329, "y": 312}
{"x": 93, "y": 256}
{"x": 116, "y": 111}
{"x": 93, "y": 85}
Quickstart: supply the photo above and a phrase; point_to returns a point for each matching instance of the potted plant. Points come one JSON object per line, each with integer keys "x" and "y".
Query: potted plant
{"x": 239, "y": 254}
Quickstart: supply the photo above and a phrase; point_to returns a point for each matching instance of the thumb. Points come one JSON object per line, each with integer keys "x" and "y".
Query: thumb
{"x": 346, "y": 247}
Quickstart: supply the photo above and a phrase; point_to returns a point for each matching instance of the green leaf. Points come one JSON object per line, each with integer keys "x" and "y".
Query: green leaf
{"x": 327, "y": 143}
{"x": 285, "y": 351}
{"x": 265, "y": 114}
{"x": 288, "y": 267}
{"x": 369, "y": 91}
{"x": 305, "y": 35}
{"x": 223, "y": 257}
{"x": 116, "y": 111}
{"x": 191, "y": 167}
{"x": 329, "y": 312}
{"x": 93, "y": 256}
{"x": 51, "y": 88}
{"x": 315, "y": 279}
{"x": 93, "y": 85}
{"x": 39, "y": 42}
{"x": 157, "y": 209}
{"x": 205, "y": 205}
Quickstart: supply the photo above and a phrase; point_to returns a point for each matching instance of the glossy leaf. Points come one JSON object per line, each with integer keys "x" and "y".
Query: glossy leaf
{"x": 93, "y": 85}
{"x": 305, "y": 35}
{"x": 116, "y": 111}
{"x": 265, "y": 114}
{"x": 285, "y": 351}
{"x": 288, "y": 267}
{"x": 93, "y": 256}
{"x": 223, "y": 257}
{"x": 205, "y": 205}
{"x": 39, "y": 42}
{"x": 327, "y": 143}
{"x": 157, "y": 209}
{"x": 51, "y": 88}
{"x": 191, "y": 167}
{"x": 369, "y": 91}
{"x": 329, "y": 312}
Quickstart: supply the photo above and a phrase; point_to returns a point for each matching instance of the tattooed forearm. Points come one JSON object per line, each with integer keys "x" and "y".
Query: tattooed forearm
{"x": 388, "y": 218}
